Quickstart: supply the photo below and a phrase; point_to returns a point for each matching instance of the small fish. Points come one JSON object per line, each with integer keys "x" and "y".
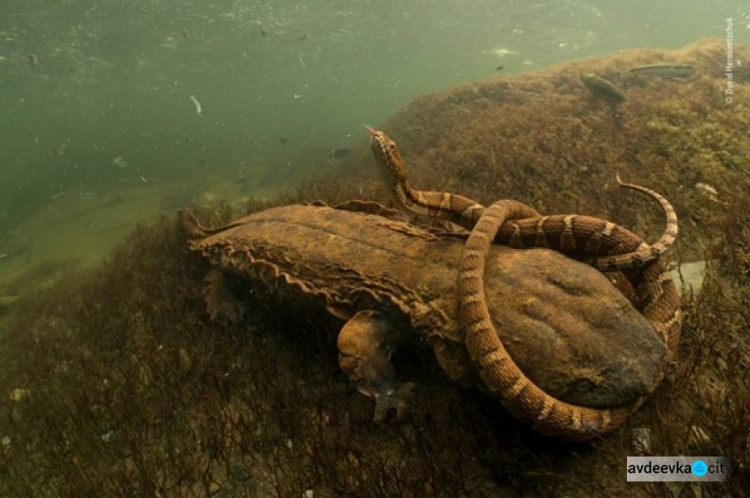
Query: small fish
{"x": 263, "y": 31}
{"x": 499, "y": 68}
{"x": 340, "y": 153}
{"x": 198, "y": 108}
{"x": 603, "y": 89}
{"x": 303, "y": 37}
{"x": 282, "y": 140}
{"x": 665, "y": 70}
{"x": 33, "y": 61}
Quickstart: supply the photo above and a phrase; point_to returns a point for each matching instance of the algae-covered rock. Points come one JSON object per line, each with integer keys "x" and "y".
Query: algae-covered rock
{"x": 543, "y": 139}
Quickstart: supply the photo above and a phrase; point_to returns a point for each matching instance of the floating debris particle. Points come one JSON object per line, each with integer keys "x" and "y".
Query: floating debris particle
{"x": 603, "y": 89}
{"x": 198, "y": 107}
{"x": 641, "y": 439}
{"x": 120, "y": 162}
{"x": 56, "y": 211}
{"x": 19, "y": 394}
{"x": 677, "y": 71}
{"x": 502, "y": 52}
{"x": 340, "y": 153}
{"x": 708, "y": 191}
{"x": 59, "y": 194}
{"x": 698, "y": 437}
{"x": 706, "y": 188}
{"x": 185, "y": 362}
{"x": 143, "y": 179}
{"x": 92, "y": 61}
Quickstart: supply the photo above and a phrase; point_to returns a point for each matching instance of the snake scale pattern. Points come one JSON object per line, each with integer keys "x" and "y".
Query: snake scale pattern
{"x": 607, "y": 247}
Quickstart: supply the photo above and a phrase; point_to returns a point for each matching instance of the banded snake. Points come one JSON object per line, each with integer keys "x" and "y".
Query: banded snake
{"x": 608, "y": 247}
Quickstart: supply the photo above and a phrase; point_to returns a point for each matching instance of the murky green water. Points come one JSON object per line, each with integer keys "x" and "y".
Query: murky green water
{"x": 101, "y": 99}
{"x": 116, "y": 111}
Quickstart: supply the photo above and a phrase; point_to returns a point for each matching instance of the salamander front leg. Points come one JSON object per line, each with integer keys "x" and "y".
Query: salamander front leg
{"x": 365, "y": 345}
{"x": 221, "y": 302}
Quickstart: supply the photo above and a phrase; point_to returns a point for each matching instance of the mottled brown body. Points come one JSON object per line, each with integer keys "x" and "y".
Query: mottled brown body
{"x": 571, "y": 234}
{"x": 502, "y": 374}
{"x": 393, "y": 282}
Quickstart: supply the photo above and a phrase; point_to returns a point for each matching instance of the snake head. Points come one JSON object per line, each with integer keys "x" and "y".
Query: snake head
{"x": 387, "y": 156}
{"x": 380, "y": 142}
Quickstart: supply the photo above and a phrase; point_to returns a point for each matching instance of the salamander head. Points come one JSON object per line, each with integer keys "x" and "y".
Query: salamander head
{"x": 570, "y": 330}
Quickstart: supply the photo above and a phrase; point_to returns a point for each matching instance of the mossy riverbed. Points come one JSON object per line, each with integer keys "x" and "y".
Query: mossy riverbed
{"x": 115, "y": 383}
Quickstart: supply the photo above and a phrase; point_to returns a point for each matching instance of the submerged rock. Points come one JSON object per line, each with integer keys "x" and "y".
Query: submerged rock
{"x": 689, "y": 276}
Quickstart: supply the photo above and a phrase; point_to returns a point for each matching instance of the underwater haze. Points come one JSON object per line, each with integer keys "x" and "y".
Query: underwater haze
{"x": 108, "y": 101}
{"x": 143, "y": 354}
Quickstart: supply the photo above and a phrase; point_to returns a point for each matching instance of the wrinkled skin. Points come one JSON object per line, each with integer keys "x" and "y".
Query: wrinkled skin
{"x": 563, "y": 322}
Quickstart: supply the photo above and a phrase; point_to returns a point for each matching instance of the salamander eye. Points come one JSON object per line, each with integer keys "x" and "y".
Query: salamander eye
{"x": 584, "y": 385}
